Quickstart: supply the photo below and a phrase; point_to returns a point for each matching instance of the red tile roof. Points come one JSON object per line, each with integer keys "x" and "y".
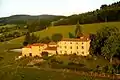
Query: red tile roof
{"x": 83, "y": 38}
{"x": 35, "y": 44}
{"x": 38, "y": 44}
{"x": 52, "y": 43}
{"x": 51, "y": 48}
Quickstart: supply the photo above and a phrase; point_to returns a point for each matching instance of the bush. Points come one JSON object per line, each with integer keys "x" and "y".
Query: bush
{"x": 37, "y": 64}
{"x": 57, "y": 37}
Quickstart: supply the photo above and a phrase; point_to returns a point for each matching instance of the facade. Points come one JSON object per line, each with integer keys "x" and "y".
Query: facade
{"x": 52, "y": 44}
{"x": 33, "y": 50}
{"x": 37, "y": 49}
{"x": 74, "y": 46}
{"x": 79, "y": 46}
{"x": 26, "y": 51}
{"x": 51, "y": 50}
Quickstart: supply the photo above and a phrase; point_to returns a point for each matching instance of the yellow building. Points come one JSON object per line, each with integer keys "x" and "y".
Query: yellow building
{"x": 37, "y": 49}
{"x": 74, "y": 46}
{"x": 51, "y": 50}
{"x": 33, "y": 50}
{"x": 79, "y": 46}
{"x": 52, "y": 44}
{"x": 26, "y": 51}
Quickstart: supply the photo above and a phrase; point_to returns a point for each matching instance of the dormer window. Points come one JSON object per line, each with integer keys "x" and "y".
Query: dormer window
{"x": 81, "y": 37}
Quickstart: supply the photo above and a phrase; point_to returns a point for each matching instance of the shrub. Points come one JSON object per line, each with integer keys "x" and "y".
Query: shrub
{"x": 57, "y": 37}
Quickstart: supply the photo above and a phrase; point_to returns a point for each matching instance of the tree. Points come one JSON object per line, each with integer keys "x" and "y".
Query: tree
{"x": 71, "y": 35}
{"x": 78, "y": 30}
{"x": 45, "y": 40}
{"x": 102, "y": 36}
{"x": 111, "y": 46}
{"x": 103, "y": 6}
{"x": 25, "y": 43}
{"x": 27, "y": 38}
{"x": 34, "y": 38}
{"x": 57, "y": 37}
{"x": 31, "y": 38}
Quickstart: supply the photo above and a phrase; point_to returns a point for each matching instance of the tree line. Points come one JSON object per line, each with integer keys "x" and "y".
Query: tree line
{"x": 31, "y": 38}
{"x": 106, "y": 13}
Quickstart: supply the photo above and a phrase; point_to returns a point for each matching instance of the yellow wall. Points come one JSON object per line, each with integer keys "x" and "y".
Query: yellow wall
{"x": 35, "y": 51}
{"x": 64, "y": 47}
{"x": 26, "y": 51}
{"x": 42, "y": 48}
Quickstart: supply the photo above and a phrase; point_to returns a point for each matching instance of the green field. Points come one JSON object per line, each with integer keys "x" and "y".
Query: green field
{"x": 32, "y": 74}
{"x": 64, "y": 30}
{"x": 9, "y": 25}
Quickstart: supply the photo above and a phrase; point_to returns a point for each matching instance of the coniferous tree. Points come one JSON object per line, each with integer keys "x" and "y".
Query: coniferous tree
{"x": 27, "y": 37}
{"x": 78, "y": 30}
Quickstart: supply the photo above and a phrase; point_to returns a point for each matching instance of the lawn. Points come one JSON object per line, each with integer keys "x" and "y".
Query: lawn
{"x": 9, "y": 25}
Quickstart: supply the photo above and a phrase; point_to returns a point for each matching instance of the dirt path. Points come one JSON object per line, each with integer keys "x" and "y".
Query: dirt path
{"x": 16, "y": 50}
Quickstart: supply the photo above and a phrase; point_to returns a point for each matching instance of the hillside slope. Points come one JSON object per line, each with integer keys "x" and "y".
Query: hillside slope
{"x": 21, "y": 19}
{"x": 64, "y": 30}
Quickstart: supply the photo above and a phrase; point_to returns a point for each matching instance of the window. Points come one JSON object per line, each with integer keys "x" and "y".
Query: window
{"x": 76, "y": 42}
{"x": 65, "y": 52}
{"x": 65, "y": 47}
{"x": 82, "y": 43}
{"x": 82, "y": 47}
{"x": 82, "y": 52}
{"x": 77, "y": 47}
{"x": 71, "y": 47}
{"x": 61, "y": 52}
{"x": 65, "y": 42}
{"x": 30, "y": 54}
{"x": 25, "y": 55}
{"x": 70, "y": 42}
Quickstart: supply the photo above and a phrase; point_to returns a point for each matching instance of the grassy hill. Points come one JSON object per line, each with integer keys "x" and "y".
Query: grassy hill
{"x": 64, "y": 30}
{"x": 7, "y": 65}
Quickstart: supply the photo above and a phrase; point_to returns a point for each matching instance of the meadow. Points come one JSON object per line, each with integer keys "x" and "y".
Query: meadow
{"x": 64, "y": 30}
